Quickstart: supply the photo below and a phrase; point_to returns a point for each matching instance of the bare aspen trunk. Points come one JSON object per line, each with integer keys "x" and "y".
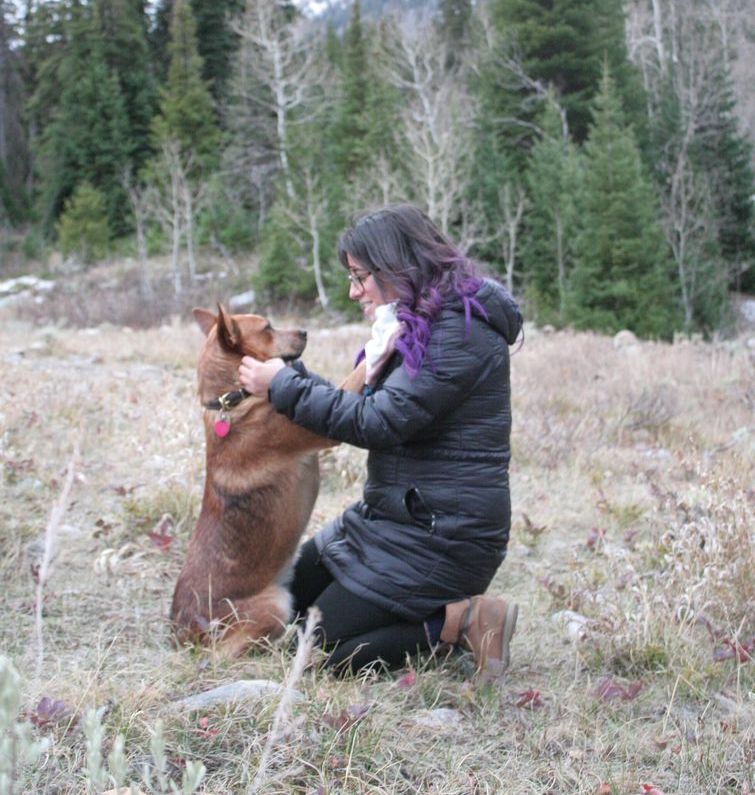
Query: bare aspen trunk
{"x": 314, "y": 233}
{"x": 435, "y": 119}
{"x": 137, "y": 196}
{"x": 280, "y": 110}
{"x": 176, "y": 231}
{"x": 679, "y": 234}
{"x": 277, "y": 52}
{"x": 658, "y": 28}
{"x": 141, "y": 252}
{"x": 189, "y": 222}
{"x": 512, "y": 220}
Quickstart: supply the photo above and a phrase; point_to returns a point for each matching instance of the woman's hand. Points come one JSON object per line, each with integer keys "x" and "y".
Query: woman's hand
{"x": 255, "y": 376}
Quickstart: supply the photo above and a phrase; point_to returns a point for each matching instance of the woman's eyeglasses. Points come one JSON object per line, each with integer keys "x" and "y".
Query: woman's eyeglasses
{"x": 358, "y": 279}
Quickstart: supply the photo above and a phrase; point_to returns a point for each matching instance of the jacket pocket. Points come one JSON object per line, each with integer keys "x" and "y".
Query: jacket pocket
{"x": 419, "y": 510}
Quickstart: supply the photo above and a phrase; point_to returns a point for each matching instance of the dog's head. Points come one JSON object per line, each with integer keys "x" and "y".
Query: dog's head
{"x": 229, "y": 337}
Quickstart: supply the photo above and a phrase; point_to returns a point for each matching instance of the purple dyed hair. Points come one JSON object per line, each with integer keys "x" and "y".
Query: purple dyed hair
{"x": 401, "y": 247}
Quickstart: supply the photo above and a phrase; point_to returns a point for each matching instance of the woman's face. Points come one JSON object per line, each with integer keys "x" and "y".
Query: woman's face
{"x": 365, "y": 289}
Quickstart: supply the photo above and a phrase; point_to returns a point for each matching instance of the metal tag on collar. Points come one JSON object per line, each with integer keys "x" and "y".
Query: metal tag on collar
{"x": 222, "y": 425}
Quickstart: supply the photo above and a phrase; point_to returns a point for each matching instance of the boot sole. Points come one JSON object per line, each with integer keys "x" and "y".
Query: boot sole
{"x": 509, "y": 625}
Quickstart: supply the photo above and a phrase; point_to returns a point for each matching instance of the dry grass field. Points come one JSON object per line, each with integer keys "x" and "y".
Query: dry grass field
{"x": 631, "y": 556}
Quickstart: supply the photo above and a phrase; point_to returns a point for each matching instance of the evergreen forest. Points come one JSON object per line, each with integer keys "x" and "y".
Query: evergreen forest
{"x": 589, "y": 153}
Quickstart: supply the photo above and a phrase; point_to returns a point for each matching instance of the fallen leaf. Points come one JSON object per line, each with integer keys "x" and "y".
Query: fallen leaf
{"x": 529, "y": 699}
{"x": 735, "y": 651}
{"x": 608, "y": 689}
{"x": 162, "y": 542}
{"x": 347, "y": 718}
{"x": 48, "y": 710}
{"x": 408, "y": 680}
{"x": 205, "y": 729}
{"x": 160, "y": 535}
{"x": 651, "y": 789}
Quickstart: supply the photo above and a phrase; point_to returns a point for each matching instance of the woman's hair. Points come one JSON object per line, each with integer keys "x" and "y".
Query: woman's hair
{"x": 401, "y": 247}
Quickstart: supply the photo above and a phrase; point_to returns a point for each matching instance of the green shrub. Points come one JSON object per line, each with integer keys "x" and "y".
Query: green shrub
{"x": 83, "y": 228}
{"x": 33, "y": 244}
{"x": 283, "y": 270}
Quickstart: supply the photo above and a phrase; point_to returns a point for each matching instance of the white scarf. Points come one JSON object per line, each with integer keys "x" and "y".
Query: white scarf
{"x": 380, "y": 346}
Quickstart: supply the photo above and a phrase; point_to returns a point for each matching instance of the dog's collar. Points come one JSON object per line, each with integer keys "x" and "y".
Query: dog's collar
{"x": 228, "y": 400}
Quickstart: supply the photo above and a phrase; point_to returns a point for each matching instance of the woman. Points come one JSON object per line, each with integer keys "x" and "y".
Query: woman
{"x": 401, "y": 570}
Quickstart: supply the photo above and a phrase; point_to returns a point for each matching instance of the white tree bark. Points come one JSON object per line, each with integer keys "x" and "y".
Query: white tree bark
{"x": 691, "y": 42}
{"x": 436, "y": 120}
{"x": 278, "y": 56}
{"x": 307, "y": 212}
{"x": 138, "y": 200}
{"x": 513, "y": 202}
{"x": 174, "y": 200}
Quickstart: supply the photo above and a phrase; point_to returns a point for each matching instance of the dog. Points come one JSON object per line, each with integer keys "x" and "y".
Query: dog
{"x": 261, "y": 482}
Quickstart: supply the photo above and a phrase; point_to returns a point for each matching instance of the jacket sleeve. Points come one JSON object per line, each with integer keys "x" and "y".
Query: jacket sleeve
{"x": 393, "y": 413}
{"x": 300, "y": 368}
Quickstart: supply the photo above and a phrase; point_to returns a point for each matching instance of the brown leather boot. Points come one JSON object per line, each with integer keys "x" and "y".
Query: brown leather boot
{"x": 484, "y": 625}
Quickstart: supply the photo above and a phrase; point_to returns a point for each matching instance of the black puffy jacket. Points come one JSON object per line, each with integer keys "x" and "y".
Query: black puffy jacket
{"x": 433, "y": 524}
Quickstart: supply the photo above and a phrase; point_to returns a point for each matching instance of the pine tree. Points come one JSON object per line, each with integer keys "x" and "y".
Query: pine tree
{"x": 83, "y": 228}
{"x": 159, "y": 38}
{"x": 88, "y": 135}
{"x": 187, "y": 141}
{"x": 724, "y": 156}
{"x": 125, "y": 46}
{"x": 690, "y": 216}
{"x": 46, "y": 36}
{"x": 702, "y": 162}
{"x": 561, "y": 44}
{"x": 622, "y": 271}
{"x": 454, "y": 22}
{"x": 352, "y": 124}
{"x": 216, "y": 41}
{"x": 14, "y": 154}
{"x": 552, "y": 177}
{"x": 186, "y": 109}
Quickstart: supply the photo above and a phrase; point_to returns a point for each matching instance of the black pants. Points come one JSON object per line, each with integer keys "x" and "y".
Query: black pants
{"x": 355, "y": 632}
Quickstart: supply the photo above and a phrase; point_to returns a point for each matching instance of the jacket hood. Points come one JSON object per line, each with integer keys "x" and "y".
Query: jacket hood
{"x": 502, "y": 310}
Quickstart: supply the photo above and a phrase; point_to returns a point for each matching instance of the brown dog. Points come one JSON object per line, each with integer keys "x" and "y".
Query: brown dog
{"x": 261, "y": 483}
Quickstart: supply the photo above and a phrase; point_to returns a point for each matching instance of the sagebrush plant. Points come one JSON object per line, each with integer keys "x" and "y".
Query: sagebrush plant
{"x": 19, "y": 750}
{"x": 18, "y": 746}
{"x": 632, "y": 509}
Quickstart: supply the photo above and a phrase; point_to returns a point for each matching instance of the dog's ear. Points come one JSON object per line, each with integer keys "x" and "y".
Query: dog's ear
{"x": 229, "y": 335}
{"x": 205, "y": 319}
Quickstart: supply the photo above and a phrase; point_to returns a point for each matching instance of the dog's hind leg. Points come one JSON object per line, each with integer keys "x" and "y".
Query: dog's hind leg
{"x": 263, "y": 615}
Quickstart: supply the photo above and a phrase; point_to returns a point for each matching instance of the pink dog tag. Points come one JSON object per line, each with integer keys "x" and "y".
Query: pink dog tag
{"x": 222, "y": 426}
